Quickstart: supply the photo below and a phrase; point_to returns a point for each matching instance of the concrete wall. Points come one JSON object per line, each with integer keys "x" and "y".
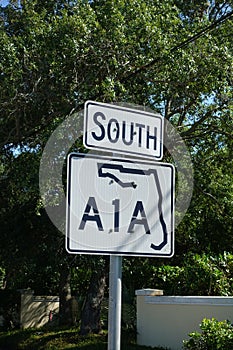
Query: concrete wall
{"x": 167, "y": 320}
{"x": 35, "y": 310}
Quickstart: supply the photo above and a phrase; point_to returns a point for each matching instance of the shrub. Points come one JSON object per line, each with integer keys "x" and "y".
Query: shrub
{"x": 199, "y": 275}
{"x": 2, "y": 276}
{"x": 216, "y": 335}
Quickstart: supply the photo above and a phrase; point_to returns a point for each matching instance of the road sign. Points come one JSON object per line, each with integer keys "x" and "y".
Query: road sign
{"x": 123, "y": 130}
{"x": 116, "y": 206}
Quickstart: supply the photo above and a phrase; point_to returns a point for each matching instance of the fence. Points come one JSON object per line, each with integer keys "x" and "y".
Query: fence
{"x": 167, "y": 320}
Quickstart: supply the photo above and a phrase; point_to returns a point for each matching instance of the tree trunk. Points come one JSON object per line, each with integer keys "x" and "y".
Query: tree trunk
{"x": 65, "y": 307}
{"x": 90, "y": 320}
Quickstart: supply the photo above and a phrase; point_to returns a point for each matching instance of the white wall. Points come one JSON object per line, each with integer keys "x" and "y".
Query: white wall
{"x": 167, "y": 320}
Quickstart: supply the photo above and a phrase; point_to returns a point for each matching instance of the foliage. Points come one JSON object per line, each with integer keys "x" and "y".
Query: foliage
{"x": 207, "y": 225}
{"x": 198, "y": 275}
{"x": 10, "y": 309}
{"x": 216, "y": 335}
{"x": 56, "y": 56}
{"x": 2, "y": 276}
{"x": 174, "y": 57}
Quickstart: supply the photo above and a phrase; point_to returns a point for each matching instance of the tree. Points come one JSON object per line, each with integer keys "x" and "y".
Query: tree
{"x": 172, "y": 56}
{"x": 90, "y": 322}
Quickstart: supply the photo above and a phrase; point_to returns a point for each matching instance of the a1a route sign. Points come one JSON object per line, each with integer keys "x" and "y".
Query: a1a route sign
{"x": 123, "y": 130}
{"x": 119, "y": 207}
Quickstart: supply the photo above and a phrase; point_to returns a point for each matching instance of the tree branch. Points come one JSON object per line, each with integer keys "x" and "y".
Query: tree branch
{"x": 179, "y": 46}
{"x": 196, "y": 124}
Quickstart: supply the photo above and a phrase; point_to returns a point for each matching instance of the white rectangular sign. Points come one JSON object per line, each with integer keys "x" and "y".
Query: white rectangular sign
{"x": 119, "y": 207}
{"x": 119, "y": 129}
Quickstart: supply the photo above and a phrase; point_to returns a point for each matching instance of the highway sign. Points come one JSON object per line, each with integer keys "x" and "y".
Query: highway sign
{"x": 123, "y": 130}
{"x": 116, "y": 206}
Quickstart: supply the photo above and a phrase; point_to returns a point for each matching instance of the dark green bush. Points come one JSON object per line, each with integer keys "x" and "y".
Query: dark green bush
{"x": 216, "y": 335}
{"x": 199, "y": 275}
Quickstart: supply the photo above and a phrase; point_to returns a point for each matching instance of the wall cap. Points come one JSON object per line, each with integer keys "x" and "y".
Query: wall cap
{"x": 149, "y": 292}
{"x": 190, "y": 300}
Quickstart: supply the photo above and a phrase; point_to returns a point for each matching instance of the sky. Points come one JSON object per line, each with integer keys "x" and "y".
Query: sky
{"x": 4, "y": 2}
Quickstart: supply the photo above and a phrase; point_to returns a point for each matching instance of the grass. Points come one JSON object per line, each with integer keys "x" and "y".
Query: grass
{"x": 53, "y": 339}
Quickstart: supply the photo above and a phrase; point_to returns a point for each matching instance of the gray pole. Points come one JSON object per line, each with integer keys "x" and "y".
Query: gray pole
{"x": 114, "y": 310}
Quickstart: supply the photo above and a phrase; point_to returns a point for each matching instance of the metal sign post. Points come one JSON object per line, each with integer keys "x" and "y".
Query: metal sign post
{"x": 120, "y": 207}
{"x": 114, "y": 311}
